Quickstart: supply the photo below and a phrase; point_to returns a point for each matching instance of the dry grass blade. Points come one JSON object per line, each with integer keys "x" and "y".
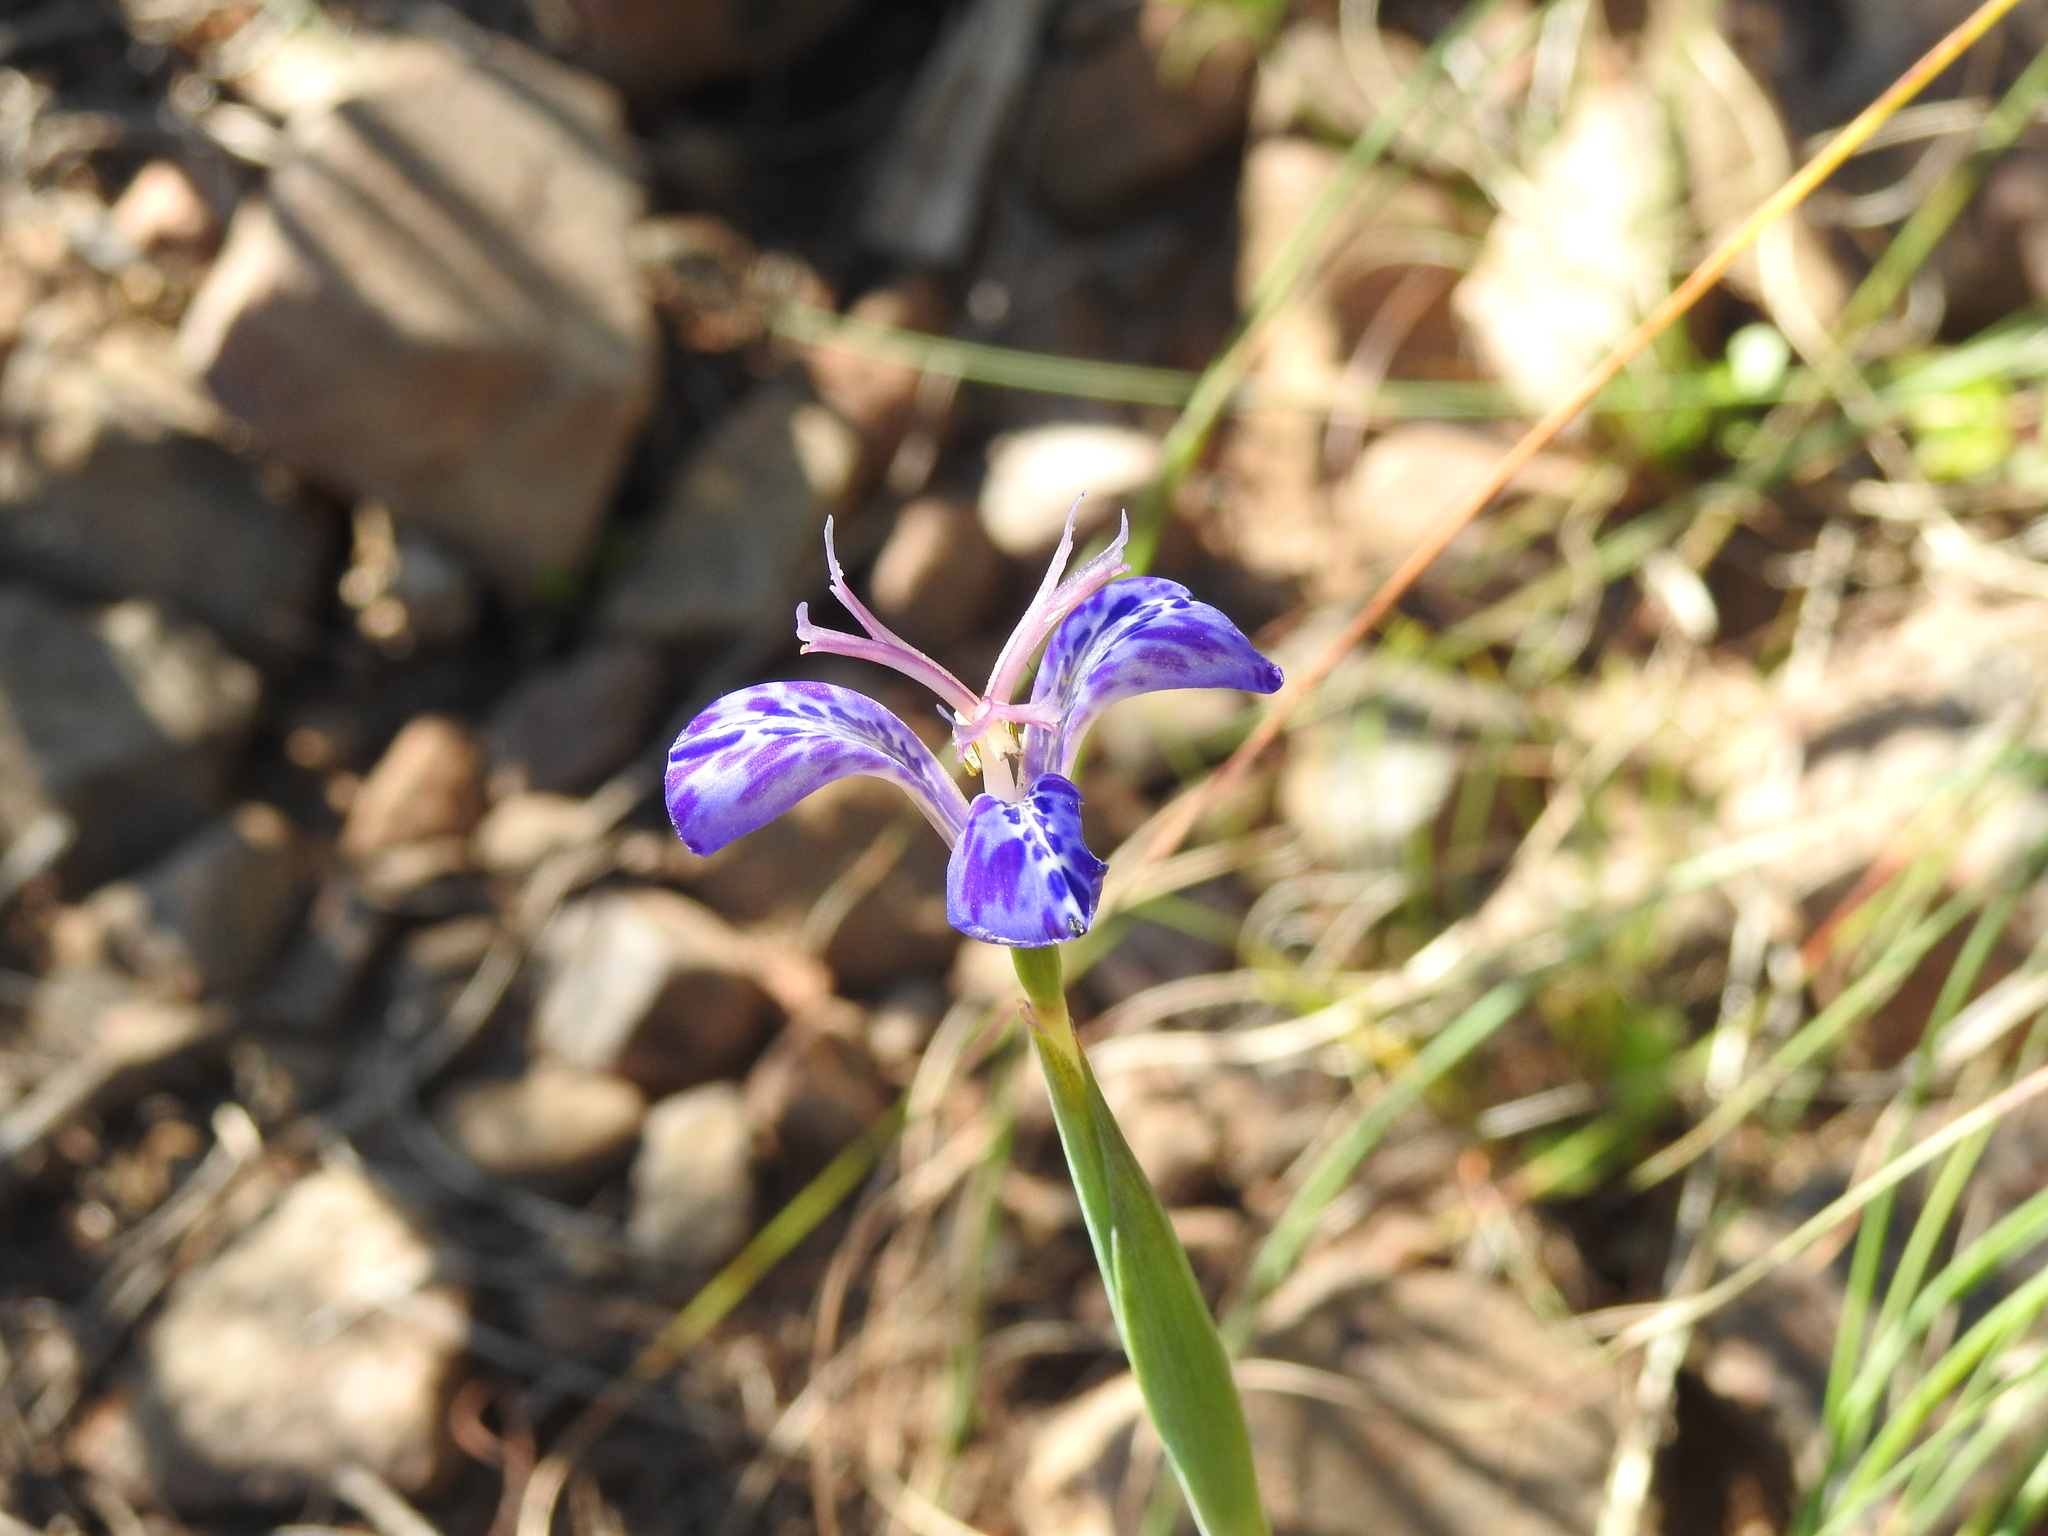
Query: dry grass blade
{"x": 1174, "y": 824}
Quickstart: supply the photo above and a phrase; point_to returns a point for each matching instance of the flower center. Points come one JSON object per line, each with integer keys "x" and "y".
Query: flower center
{"x": 994, "y": 754}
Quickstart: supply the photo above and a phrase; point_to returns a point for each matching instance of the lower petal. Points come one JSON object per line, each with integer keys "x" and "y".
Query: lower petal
{"x": 1020, "y": 873}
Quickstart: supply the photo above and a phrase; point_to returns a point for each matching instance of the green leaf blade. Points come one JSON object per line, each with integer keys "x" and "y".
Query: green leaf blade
{"x": 1182, "y": 1369}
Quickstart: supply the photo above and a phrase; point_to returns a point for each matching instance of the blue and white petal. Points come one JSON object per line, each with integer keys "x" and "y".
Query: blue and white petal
{"x": 755, "y": 753}
{"x": 1134, "y": 637}
{"x": 1021, "y": 874}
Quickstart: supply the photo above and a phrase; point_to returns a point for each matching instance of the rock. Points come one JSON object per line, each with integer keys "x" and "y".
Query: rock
{"x": 319, "y": 1339}
{"x": 110, "y": 488}
{"x": 874, "y": 396}
{"x": 434, "y": 305}
{"x": 1136, "y": 108}
{"x": 693, "y": 1180}
{"x": 1278, "y": 521}
{"x": 1449, "y": 1409}
{"x": 122, "y": 720}
{"x": 1567, "y": 272}
{"x": 1409, "y": 477}
{"x": 209, "y": 917}
{"x": 653, "y": 987}
{"x": 1437, "y": 1342}
{"x": 1275, "y": 518}
{"x": 650, "y": 47}
{"x": 739, "y": 538}
{"x": 567, "y": 726}
{"x": 1034, "y": 476}
{"x": 161, "y": 207}
{"x": 1357, "y": 788}
{"x": 812, "y": 1092}
{"x": 523, "y": 829}
{"x": 938, "y": 577}
{"x": 558, "y": 1129}
{"x": 707, "y": 281}
{"x": 116, "y": 1045}
{"x": 775, "y": 877}
{"x": 428, "y": 784}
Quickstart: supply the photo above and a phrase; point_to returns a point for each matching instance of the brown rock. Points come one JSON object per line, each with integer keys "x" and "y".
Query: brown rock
{"x": 739, "y": 538}
{"x": 558, "y": 1129}
{"x": 1277, "y": 521}
{"x": 653, "y": 987}
{"x": 428, "y": 784}
{"x": 702, "y": 273}
{"x": 1565, "y": 273}
{"x": 523, "y": 829}
{"x": 874, "y": 396}
{"x": 318, "y": 1340}
{"x": 1137, "y": 108}
{"x": 567, "y": 726}
{"x": 111, "y": 487}
{"x": 434, "y": 305}
{"x": 938, "y": 576}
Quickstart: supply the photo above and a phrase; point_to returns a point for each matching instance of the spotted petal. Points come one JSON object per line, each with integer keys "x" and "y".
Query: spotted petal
{"x": 755, "y": 753}
{"x": 1020, "y": 873}
{"x": 1134, "y": 637}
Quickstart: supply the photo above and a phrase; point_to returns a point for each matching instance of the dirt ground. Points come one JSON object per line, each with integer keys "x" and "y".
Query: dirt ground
{"x": 1593, "y": 1056}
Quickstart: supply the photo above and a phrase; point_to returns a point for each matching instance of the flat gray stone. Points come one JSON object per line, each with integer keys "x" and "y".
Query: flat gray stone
{"x": 176, "y": 518}
{"x": 566, "y": 726}
{"x": 558, "y": 1129}
{"x": 693, "y": 1180}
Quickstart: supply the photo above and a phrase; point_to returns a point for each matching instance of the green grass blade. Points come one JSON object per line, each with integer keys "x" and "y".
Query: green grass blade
{"x": 1445, "y": 1050}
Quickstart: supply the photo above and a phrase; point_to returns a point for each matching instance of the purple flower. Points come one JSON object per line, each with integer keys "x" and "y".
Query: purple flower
{"x": 1020, "y": 873}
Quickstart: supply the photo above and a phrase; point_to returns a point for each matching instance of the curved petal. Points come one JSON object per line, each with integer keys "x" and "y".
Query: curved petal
{"x": 1134, "y": 637}
{"x": 1020, "y": 873}
{"x": 755, "y": 753}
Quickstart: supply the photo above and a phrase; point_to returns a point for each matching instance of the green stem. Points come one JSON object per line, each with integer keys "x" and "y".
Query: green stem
{"x": 1182, "y": 1370}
